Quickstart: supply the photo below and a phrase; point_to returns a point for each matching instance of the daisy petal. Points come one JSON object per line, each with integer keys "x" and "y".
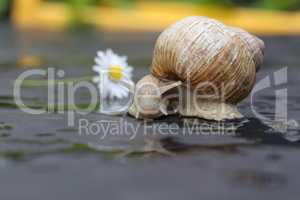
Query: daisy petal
{"x": 111, "y": 88}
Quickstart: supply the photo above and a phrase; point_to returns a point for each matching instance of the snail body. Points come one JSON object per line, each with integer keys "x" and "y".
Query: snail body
{"x": 205, "y": 66}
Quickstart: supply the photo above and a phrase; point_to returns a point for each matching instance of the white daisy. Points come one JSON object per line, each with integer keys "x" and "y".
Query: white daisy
{"x": 113, "y": 70}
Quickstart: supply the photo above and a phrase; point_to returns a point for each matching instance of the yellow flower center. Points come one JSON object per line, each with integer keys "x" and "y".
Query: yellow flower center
{"x": 115, "y": 72}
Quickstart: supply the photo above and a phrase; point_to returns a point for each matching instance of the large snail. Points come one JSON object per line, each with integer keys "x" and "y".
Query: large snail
{"x": 201, "y": 68}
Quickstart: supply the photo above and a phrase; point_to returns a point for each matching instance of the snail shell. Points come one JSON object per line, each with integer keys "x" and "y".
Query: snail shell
{"x": 207, "y": 58}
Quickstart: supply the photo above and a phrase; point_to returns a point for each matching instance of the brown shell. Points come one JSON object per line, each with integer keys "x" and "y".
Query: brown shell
{"x": 199, "y": 50}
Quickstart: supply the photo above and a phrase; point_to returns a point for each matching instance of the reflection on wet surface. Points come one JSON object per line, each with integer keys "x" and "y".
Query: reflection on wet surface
{"x": 203, "y": 158}
{"x": 258, "y": 179}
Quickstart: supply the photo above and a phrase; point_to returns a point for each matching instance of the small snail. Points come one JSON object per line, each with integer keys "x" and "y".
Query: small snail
{"x": 200, "y": 68}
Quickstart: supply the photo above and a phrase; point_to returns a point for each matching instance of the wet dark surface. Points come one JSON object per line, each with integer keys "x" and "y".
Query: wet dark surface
{"x": 42, "y": 158}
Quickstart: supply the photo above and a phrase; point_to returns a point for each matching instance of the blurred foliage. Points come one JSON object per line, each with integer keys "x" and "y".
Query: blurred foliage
{"x": 3, "y": 7}
{"x": 77, "y": 24}
{"x": 279, "y": 4}
{"x": 79, "y": 3}
{"x": 267, "y": 4}
{"x": 213, "y": 2}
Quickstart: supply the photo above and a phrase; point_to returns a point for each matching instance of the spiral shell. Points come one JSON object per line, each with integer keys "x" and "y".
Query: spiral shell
{"x": 211, "y": 59}
{"x": 199, "y": 49}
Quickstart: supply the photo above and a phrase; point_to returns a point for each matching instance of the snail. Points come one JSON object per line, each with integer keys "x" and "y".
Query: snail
{"x": 200, "y": 68}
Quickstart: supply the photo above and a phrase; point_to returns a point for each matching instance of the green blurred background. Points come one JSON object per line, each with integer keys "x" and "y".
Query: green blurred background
{"x": 265, "y": 4}
{"x": 289, "y": 5}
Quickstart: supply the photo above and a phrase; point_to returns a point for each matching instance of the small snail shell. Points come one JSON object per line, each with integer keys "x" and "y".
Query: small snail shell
{"x": 197, "y": 51}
